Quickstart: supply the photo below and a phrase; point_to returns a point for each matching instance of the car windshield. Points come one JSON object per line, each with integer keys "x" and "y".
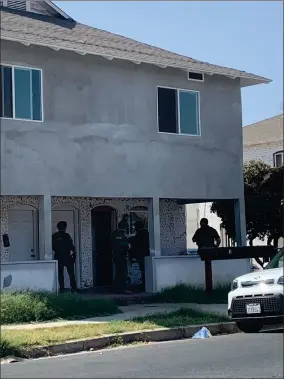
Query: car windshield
{"x": 277, "y": 261}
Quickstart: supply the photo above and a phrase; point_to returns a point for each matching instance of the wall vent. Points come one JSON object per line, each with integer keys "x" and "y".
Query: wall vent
{"x": 20, "y": 5}
{"x": 196, "y": 76}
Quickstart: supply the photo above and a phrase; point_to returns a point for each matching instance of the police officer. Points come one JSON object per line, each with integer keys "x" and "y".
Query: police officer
{"x": 140, "y": 247}
{"x": 120, "y": 247}
{"x": 64, "y": 253}
{"x": 206, "y": 236}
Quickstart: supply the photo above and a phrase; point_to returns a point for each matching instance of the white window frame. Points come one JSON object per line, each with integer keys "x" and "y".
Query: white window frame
{"x": 281, "y": 153}
{"x": 178, "y": 111}
{"x": 132, "y": 210}
{"x": 195, "y": 80}
{"x": 13, "y": 66}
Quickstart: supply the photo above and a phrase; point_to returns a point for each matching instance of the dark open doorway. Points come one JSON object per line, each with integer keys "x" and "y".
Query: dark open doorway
{"x": 104, "y": 221}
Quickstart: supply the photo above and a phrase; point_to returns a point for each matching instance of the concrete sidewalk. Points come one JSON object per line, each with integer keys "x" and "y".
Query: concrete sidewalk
{"x": 128, "y": 313}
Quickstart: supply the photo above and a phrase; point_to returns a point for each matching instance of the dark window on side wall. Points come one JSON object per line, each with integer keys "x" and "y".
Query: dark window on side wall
{"x": 167, "y": 110}
{"x": 178, "y": 111}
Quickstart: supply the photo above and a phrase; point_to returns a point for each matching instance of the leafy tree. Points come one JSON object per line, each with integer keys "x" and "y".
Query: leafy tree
{"x": 263, "y": 189}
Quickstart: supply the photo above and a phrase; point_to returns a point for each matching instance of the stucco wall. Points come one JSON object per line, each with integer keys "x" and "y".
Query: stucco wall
{"x": 172, "y": 217}
{"x": 100, "y": 138}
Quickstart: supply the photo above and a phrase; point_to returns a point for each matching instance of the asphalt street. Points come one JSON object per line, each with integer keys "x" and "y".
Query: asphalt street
{"x": 234, "y": 356}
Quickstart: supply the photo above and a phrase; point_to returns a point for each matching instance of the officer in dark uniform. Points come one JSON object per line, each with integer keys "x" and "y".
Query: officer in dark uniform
{"x": 120, "y": 247}
{"x": 206, "y": 236}
{"x": 140, "y": 247}
{"x": 64, "y": 253}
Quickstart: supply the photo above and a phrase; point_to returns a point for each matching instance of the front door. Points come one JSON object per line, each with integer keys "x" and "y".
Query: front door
{"x": 68, "y": 216}
{"x": 103, "y": 224}
{"x": 22, "y": 226}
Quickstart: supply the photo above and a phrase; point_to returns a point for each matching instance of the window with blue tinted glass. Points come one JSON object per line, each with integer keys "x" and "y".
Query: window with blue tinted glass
{"x": 21, "y": 93}
{"x": 189, "y": 112}
{"x": 36, "y": 95}
{"x": 23, "y": 101}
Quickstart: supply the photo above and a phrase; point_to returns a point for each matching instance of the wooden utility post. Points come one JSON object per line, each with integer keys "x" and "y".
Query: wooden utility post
{"x": 208, "y": 276}
{"x": 228, "y": 253}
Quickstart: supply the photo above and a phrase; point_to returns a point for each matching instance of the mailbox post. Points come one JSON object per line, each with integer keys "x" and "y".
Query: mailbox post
{"x": 227, "y": 253}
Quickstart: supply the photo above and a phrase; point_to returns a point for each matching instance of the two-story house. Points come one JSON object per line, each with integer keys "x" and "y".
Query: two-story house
{"x": 95, "y": 126}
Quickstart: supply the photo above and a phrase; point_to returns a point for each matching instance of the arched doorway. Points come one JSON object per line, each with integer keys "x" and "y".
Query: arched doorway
{"x": 104, "y": 222}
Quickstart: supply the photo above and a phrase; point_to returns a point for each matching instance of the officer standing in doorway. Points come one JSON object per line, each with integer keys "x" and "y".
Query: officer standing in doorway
{"x": 120, "y": 247}
{"x": 64, "y": 253}
{"x": 140, "y": 247}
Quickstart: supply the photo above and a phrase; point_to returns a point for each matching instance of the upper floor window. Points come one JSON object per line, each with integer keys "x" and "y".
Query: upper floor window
{"x": 178, "y": 111}
{"x": 21, "y": 93}
{"x": 278, "y": 158}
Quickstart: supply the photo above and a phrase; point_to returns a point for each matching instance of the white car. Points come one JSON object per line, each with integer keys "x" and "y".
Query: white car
{"x": 257, "y": 299}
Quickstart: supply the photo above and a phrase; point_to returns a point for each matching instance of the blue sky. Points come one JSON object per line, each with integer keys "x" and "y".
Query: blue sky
{"x": 247, "y": 35}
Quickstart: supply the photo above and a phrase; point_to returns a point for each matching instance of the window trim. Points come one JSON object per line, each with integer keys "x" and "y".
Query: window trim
{"x": 138, "y": 210}
{"x": 178, "y": 118}
{"x": 13, "y": 66}
{"x": 195, "y": 80}
{"x": 280, "y": 152}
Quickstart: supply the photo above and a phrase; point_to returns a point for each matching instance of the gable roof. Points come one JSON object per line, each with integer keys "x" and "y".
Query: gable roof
{"x": 263, "y": 132}
{"x": 42, "y": 7}
{"x": 35, "y": 29}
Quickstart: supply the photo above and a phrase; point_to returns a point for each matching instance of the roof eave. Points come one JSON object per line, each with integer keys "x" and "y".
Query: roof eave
{"x": 247, "y": 82}
{"x": 58, "y": 10}
{"x": 244, "y": 81}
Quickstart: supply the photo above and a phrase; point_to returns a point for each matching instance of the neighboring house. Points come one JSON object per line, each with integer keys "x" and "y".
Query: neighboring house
{"x": 94, "y": 126}
{"x": 262, "y": 141}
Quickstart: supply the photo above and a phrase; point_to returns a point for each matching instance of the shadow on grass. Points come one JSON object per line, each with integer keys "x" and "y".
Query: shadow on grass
{"x": 183, "y": 293}
{"x": 182, "y": 317}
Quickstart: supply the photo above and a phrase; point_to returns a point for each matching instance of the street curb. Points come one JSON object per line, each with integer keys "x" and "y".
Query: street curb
{"x": 156, "y": 335}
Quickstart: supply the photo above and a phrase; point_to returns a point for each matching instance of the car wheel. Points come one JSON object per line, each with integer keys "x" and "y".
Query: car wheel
{"x": 249, "y": 327}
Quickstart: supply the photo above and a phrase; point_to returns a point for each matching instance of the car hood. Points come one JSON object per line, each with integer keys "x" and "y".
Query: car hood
{"x": 259, "y": 276}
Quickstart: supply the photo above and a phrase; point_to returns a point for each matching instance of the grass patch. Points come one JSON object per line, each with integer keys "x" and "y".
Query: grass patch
{"x": 22, "y": 341}
{"x": 24, "y": 307}
{"x": 183, "y": 293}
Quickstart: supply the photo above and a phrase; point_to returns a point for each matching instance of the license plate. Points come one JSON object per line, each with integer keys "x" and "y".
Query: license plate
{"x": 253, "y": 308}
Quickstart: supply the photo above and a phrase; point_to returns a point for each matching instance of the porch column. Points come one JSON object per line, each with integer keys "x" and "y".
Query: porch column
{"x": 240, "y": 222}
{"x": 45, "y": 227}
{"x": 154, "y": 226}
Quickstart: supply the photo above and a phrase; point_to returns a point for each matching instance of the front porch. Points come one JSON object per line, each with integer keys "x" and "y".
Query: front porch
{"x": 30, "y": 221}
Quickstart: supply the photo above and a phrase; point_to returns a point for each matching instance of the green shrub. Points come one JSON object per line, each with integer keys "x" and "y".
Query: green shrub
{"x": 23, "y": 307}
{"x": 183, "y": 293}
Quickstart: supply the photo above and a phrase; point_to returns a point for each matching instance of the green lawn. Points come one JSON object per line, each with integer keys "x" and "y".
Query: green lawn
{"x": 20, "y": 342}
{"x": 24, "y": 307}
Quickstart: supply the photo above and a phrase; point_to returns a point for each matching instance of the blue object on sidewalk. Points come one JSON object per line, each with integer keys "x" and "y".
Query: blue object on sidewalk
{"x": 202, "y": 333}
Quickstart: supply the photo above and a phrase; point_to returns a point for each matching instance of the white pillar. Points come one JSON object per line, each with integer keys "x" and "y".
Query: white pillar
{"x": 240, "y": 222}
{"x": 154, "y": 226}
{"x": 45, "y": 227}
